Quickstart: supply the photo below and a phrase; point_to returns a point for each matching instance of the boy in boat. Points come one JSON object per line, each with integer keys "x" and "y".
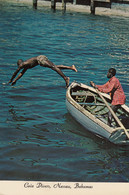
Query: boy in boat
{"x": 42, "y": 61}
{"x": 114, "y": 88}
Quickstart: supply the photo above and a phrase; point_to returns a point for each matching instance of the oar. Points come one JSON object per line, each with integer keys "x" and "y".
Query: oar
{"x": 113, "y": 113}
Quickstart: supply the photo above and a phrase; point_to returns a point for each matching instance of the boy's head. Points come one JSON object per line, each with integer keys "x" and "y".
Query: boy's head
{"x": 19, "y": 62}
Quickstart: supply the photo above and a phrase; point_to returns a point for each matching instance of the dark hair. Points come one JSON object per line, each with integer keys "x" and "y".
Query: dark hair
{"x": 19, "y": 62}
{"x": 112, "y": 71}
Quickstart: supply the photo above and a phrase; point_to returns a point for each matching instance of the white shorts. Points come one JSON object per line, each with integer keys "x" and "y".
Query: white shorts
{"x": 42, "y": 59}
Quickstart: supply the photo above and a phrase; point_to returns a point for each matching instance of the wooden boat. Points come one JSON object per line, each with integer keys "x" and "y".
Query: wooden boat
{"x": 90, "y": 108}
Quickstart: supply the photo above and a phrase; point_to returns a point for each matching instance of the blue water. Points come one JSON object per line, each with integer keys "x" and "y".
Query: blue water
{"x": 39, "y": 140}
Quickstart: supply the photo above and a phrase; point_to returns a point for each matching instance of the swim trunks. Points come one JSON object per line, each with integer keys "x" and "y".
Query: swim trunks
{"x": 42, "y": 59}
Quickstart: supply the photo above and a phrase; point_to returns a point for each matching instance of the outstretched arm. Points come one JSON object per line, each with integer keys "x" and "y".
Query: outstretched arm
{"x": 14, "y": 75}
{"x": 19, "y": 76}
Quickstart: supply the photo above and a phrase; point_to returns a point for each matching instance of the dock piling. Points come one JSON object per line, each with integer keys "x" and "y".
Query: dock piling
{"x": 92, "y": 7}
{"x": 53, "y": 5}
{"x": 74, "y": 2}
{"x": 63, "y": 6}
{"x": 35, "y": 4}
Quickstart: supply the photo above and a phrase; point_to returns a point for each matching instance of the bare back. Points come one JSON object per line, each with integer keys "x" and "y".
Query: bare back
{"x": 30, "y": 63}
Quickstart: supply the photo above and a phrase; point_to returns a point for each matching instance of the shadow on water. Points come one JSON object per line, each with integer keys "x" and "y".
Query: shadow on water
{"x": 15, "y": 116}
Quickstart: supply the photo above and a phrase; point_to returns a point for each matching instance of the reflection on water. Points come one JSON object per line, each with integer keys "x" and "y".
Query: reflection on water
{"x": 39, "y": 139}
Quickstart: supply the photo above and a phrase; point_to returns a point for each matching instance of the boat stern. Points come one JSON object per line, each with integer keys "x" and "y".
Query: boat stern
{"x": 119, "y": 137}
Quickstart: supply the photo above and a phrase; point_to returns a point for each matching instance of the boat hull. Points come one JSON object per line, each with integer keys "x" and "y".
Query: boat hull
{"x": 86, "y": 122}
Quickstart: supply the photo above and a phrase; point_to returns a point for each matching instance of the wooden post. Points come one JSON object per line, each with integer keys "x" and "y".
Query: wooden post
{"x": 35, "y": 4}
{"x": 74, "y": 2}
{"x": 64, "y": 6}
{"x": 53, "y": 5}
{"x": 92, "y": 7}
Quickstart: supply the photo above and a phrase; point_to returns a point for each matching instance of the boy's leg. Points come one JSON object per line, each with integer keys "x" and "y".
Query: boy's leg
{"x": 67, "y": 67}
{"x": 55, "y": 68}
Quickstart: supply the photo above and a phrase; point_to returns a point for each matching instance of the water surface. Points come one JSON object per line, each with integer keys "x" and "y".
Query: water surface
{"x": 39, "y": 139}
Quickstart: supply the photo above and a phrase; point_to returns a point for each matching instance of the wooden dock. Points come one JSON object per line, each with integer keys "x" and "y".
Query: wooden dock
{"x": 92, "y": 3}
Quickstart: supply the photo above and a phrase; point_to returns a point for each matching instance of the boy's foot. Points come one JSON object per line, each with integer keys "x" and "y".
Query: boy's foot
{"x": 67, "y": 82}
{"x": 74, "y": 68}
